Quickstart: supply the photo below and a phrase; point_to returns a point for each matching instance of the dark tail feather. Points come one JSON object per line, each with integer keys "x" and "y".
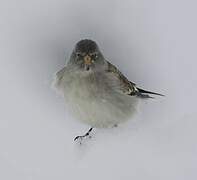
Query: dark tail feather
{"x": 143, "y": 92}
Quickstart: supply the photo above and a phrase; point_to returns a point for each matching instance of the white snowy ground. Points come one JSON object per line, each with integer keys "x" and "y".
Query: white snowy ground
{"x": 153, "y": 42}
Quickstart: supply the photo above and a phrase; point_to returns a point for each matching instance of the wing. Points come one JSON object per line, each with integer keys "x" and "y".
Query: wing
{"x": 58, "y": 78}
{"x": 128, "y": 87}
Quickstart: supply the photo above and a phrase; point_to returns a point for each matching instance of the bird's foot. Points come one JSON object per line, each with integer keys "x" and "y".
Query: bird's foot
{"x": 83, "y": 136}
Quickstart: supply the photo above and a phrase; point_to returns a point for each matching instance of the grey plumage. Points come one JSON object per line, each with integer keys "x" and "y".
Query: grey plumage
{"x": 96, "y": 92}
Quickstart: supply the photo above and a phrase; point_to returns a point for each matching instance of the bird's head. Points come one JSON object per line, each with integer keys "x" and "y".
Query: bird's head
{"x": 86, "y": 56}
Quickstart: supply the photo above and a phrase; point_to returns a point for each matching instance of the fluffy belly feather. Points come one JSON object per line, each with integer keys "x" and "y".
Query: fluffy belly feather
{"x": 93, "y": 99}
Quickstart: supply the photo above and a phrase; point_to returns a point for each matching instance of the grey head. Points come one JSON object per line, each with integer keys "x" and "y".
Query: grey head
{"x": 86, "y": 56}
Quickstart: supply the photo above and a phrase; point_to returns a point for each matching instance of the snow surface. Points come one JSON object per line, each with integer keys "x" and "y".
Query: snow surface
{"x": 152, "y": 42}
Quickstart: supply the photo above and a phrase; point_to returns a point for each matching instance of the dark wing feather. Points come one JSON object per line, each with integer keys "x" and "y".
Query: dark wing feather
{"x": 127, "y": 86}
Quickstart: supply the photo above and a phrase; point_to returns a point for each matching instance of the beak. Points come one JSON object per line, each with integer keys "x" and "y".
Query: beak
{"x": 87, "y": 60}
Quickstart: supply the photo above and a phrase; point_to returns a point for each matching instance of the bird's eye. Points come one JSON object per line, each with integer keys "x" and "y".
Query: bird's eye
{"x": 94, "y": 56}
{"x": 78, "y": 54}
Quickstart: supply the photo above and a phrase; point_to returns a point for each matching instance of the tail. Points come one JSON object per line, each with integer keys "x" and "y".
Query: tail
{"x": 145, "y": 94}
{"x": 142, "y": 91}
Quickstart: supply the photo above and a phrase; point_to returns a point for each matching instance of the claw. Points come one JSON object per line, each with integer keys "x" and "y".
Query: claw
{"x": 83, "y": 136}
{"x": 77, "y": 137}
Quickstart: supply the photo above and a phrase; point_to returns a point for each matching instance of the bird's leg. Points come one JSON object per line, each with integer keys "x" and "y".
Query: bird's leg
{"x": 85, "y": 135}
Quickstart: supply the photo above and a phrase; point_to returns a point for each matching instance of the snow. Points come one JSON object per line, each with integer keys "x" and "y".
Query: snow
{"x": 152, "y": 42}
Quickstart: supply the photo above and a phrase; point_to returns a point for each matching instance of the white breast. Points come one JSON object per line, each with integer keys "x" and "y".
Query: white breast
{"x": 92, "y": 99}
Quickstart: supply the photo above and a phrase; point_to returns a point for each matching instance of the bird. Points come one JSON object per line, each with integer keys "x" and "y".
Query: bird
{"x": 95, "y": 91}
